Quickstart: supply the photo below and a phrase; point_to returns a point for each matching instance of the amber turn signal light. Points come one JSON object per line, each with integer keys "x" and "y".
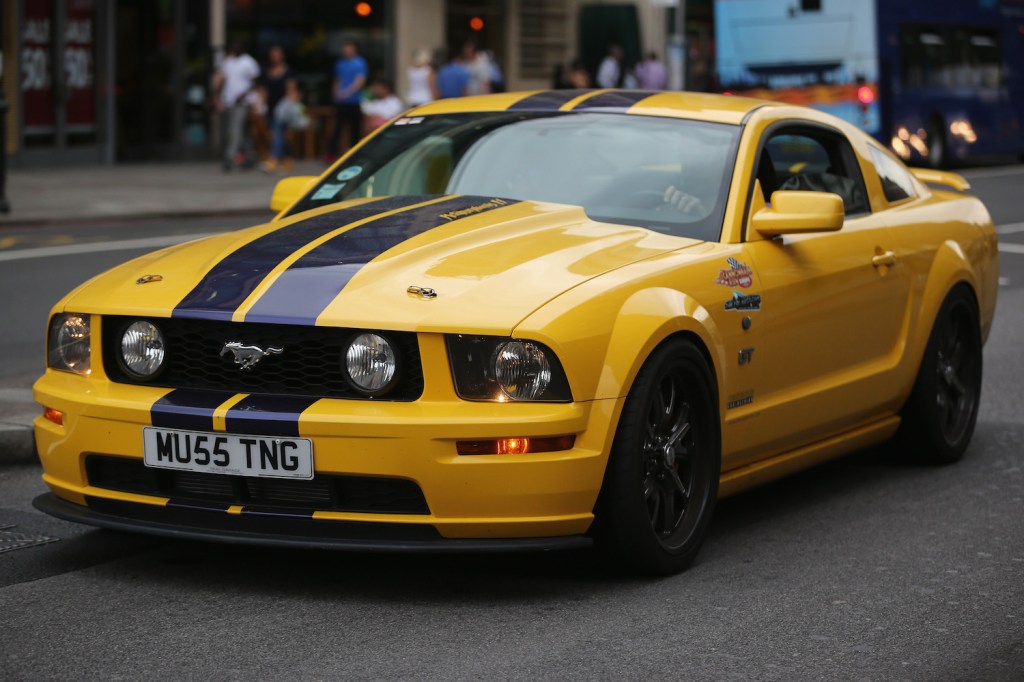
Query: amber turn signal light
{"x": 55, "y": 416}
{"x": 515, "y": 446}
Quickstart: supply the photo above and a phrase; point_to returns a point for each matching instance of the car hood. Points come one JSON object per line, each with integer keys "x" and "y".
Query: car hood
{"x": 472, "y": 264}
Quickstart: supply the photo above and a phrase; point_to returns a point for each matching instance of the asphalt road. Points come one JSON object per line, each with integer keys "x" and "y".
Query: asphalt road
{"x": 860, "y": 569}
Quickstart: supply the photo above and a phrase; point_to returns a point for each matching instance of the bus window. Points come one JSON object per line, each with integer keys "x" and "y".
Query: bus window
{"x": 949, "y": 57}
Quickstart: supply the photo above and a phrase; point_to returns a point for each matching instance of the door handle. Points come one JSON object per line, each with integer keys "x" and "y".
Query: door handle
{"x": 886, "y": 258}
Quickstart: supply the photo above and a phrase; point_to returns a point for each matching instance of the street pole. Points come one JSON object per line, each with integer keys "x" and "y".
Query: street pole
{"x": 4, "y": 206}
{"x": 677, "y": 50}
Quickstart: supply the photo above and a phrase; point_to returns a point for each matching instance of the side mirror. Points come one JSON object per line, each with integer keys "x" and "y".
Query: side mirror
{"x": 798, "y": 212}
{"x": 288, "y": 190}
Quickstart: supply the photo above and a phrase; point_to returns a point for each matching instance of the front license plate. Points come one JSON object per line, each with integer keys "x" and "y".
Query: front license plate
{"x": 224, "y": 453}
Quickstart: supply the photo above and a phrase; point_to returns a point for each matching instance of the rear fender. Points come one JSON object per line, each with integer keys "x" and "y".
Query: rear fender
{"x": 950, "y": 267}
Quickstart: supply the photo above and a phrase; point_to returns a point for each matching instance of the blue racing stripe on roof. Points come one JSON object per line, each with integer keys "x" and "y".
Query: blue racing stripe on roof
{"x": 267, "y": 415}
{"x": 187, "y": 409}
{"x": 237, "y": 275}
{"x": 305, "y": 289}
{"x": 549, "y": 100}
{"x": 620, "y": 100}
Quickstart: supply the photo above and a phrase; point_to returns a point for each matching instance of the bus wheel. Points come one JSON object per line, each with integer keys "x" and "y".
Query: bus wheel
{"x": 937, "y": 143}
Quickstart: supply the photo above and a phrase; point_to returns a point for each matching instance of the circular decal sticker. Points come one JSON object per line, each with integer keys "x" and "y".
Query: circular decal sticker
{"x": 349, "y": 173}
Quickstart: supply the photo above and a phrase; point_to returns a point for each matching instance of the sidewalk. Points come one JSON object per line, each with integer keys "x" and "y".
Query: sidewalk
{"x": 67, "y": 195}
{"x": 73, "y": 195}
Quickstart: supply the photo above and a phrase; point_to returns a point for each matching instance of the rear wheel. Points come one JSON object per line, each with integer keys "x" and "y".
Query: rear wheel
{"x": 939, "y": 417}
{"x": 662, "y": 478}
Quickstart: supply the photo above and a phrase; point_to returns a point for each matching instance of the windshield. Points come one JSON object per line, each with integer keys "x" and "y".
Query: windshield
{"x": 666, "y": 174}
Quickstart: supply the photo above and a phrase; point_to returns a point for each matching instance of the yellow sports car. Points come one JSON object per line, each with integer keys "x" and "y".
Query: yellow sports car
{"x": 527, "y": 321}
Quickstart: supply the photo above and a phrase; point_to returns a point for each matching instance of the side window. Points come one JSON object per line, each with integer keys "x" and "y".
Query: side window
{"x": 812, "y": 160}
{"x": 897, "y": 183}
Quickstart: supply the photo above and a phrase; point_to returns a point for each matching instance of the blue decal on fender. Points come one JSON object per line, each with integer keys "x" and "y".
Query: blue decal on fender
{"x": 308, "y": 286}
{"x": 237, "y": 275}
{"x": 743, "y": 301}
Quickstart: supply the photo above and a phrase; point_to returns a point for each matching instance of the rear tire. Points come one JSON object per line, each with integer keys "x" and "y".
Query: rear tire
{"x": 939, "y": 417}
{"x": 661, "y": 482}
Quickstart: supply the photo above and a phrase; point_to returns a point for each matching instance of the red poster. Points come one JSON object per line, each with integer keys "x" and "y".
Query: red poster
{"x": 79, "y": 49}
{"x": 36, "y": 70}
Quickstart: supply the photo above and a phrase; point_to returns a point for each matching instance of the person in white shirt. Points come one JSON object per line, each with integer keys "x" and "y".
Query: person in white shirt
{"x": 384, "y": 106}
{"x": 479, "y": 66}
{"x": 235, "y": 81}
{"x": 421, "y": 78}
{"x": 609, "y": 75}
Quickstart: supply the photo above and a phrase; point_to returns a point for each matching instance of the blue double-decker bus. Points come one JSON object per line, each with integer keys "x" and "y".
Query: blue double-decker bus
{"x": 937, "y": 80}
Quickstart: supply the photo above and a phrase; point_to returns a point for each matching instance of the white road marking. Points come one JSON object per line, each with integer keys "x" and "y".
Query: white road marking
{"x": 96, "y": 247}
{"x": 1011, "y": 248}
{"x": 993, "y": 172}
{"x": 1012, "y": 228}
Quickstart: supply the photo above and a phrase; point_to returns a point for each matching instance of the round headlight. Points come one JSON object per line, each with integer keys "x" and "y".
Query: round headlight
{"x": 522, "y": 370}
{"x": 370, "y": 363}
{"x": 72, "y": 343}
{"x": 142, "y": 349}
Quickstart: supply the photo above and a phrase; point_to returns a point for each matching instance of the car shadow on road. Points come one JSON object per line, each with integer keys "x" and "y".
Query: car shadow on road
{"x": 497, "y": 578}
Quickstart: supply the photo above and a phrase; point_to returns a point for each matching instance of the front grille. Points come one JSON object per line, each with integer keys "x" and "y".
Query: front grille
{"x": 326, "y": 492}
{"x": 311, "y": 364}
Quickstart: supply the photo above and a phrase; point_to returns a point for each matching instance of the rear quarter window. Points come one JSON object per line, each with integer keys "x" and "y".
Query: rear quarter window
{"x": 897, "y": 183}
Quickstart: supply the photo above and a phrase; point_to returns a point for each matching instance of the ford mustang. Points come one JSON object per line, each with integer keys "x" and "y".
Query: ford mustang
{"x": 528, "y": 321}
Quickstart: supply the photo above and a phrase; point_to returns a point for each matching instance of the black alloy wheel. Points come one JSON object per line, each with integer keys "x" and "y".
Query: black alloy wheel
{"x": 939, "y": 417}
{"x": 662, "y": 478}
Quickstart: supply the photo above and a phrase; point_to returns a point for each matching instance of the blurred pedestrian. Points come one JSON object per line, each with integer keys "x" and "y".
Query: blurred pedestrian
{"x": 275, "y": 79}
{"x": 576, "y": 76}
{"x": 452, "y": 79}
{"x": 479, "y": 67}
{"x": 384, "y": 106}
{"x": 497, "y": 76}
{"x": 234, "y": 83}
{"x": 651, "y": 73}
{"x": 350, "y": 72}
{"x": 610, "y": 73}
{"x": 421, "y": 78}
{"x": 290, "y": 118}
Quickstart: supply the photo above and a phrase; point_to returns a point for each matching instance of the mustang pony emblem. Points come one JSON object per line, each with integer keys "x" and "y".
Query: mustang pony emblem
{"x": 247, "y": 356}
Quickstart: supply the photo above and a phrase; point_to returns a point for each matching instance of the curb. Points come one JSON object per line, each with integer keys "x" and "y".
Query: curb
{"x": 17, "y": 445}
{"x": 124, "y": 218}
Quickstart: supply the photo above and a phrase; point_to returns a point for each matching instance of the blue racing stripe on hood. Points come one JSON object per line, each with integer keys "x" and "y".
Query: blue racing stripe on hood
{"x": 237, "y": 275}
{"x": 267, "y": 415}
{"x": 305, "y": 289}
{"x": 188, "y": 409}
{"x": 617, "y": 100}
{"x": 549, "y": 100}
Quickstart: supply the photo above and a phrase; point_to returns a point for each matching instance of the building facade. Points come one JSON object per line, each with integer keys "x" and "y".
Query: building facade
{"x": 107, "y": 81}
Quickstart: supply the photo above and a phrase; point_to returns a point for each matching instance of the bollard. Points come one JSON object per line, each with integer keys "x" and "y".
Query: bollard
{"x": 4, "y": 206}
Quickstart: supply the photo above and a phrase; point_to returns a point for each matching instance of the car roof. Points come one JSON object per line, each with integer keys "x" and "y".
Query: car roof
{"x": 689, "y": 105}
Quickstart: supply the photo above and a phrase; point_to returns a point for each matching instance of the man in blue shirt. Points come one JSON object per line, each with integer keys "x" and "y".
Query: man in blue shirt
{"x": 350, "y": 74}
{"x": 453, "y": 78}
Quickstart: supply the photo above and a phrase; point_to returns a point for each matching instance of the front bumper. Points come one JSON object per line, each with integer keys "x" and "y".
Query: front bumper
{"x": 531, "y": 501}
{"x": 184, "y": 523}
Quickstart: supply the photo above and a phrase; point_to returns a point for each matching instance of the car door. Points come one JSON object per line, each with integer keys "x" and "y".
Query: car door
{"x": 832, "y": 301}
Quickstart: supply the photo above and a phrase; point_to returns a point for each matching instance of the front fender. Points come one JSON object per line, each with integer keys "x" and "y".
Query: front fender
{"x": 602, "y": 359}
{"x": 645, "y": 320}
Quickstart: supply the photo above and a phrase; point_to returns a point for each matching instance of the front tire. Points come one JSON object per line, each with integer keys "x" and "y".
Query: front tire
{"x": 939, "y": 417}
{"x": 661, "y": 482}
